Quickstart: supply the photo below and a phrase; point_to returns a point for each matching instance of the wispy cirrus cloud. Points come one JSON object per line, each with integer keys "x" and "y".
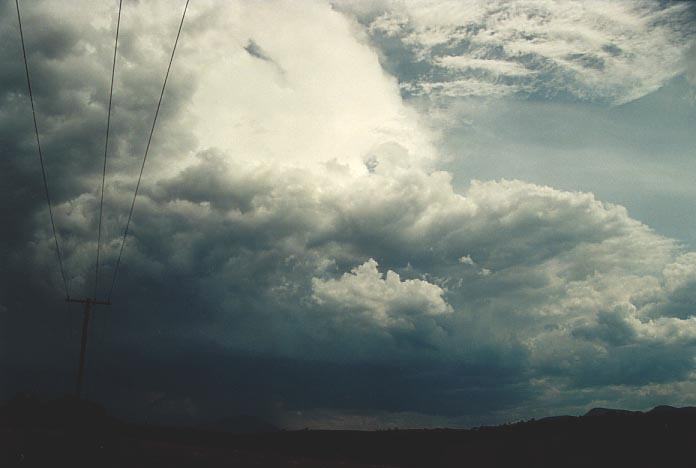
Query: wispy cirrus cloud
{"x": 592, "y": 51}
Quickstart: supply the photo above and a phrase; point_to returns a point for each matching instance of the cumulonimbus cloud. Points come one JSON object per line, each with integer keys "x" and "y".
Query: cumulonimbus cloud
{"x": 302, "y": 214}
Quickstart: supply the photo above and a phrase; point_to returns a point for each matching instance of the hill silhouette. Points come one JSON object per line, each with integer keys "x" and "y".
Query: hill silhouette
{"x": 70, "y": 432}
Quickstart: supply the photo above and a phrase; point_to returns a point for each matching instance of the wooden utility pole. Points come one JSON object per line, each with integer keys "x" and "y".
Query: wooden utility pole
{"x": 88, "y": 302}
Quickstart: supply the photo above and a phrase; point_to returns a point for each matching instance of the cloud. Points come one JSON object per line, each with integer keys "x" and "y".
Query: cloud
{"x": 592, "y": 51}
{"x": 301, "y": 220}
{"x": 349, "y": 105}
{"x": 466, "y": 260}
{"x": 691, "y": 64}
{"x": 256, "y": 51}
{"x": 563, "y": 269}
{"x": 386, "y": 300}
{"x": 495, "y": 66}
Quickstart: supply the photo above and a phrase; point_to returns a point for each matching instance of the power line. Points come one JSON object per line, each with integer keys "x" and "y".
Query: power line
{"x": 90, "y": 302}
{"x": 106, "y": 148}
{"x": 41, "y": 159}
{"x": 147, "y": 149}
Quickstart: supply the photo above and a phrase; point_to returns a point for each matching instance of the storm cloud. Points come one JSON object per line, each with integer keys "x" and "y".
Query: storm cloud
{"x": 299, "y": 246}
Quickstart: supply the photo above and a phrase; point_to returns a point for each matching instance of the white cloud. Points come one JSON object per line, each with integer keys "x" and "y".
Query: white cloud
{"x": 593, "y": 50}
{"x": 680, "y": 273}
{"x": 387, "y": 300}
{"x": 466, "y": 260}
{"x": 499, "y": 67}
{"x": 325, "y": 105}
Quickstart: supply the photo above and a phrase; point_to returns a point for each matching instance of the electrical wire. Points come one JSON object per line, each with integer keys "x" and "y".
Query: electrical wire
{"x": 106, "y": 149}
{"x": 147, "y": 149}
{"x": 41, "y": 158}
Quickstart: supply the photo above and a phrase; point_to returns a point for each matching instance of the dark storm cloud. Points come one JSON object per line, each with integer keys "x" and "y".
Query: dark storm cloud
{"x": 70, "y": 81}
{"x": 69, "y": 65}
{"x": 280, "y": 288}
{"x": 271, "y": 386}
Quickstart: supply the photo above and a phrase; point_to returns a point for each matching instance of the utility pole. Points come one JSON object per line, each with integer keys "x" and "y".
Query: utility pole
{"x": 88, "y": 302}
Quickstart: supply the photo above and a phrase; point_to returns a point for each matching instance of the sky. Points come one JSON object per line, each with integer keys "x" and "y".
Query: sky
{"x": 355, "y": 214}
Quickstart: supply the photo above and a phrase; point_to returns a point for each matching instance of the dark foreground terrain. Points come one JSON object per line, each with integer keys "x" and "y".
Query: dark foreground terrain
{"x": 71, "y": 433}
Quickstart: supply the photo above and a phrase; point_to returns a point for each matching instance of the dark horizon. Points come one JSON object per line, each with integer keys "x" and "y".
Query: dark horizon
{"x": 79, "y": 433}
